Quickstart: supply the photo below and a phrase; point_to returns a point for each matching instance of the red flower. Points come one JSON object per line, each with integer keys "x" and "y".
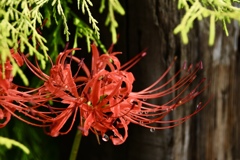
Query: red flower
{"x": 15, "y": 98}
{"x": 59, "y": 86}
{"x": 111, "y": 104}
{"x": 6, "y": 85}
{"x": 104, "y": 96}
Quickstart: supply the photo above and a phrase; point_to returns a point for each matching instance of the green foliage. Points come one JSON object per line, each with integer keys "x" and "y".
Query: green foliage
{"x": 113, "y": 6}
{"x": 21, "y": 18}
{"x": 41, "y": 146}
{"x": 215, "y": 10}
{"x": 85, "y": 7}
{"x": 84, "y": 31}
{"x": 58, "y": 7}
{"x": 10, "y": 142}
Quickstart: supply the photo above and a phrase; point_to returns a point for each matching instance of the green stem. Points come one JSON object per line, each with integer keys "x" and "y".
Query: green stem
{"x": 76, "y": 144}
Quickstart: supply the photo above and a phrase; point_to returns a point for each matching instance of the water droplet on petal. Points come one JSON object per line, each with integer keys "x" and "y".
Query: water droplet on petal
{"x": 190, "y": 67}
{"x": 185, "y": 65}
{"x": 199, "y": 105}
{"x": 152, "y": 129}
{"x": 105, "y": 138}
{"x": 143, "y": 54}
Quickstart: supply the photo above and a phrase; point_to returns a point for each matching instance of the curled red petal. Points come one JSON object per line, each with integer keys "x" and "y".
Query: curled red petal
{"x": 5, "y": 116}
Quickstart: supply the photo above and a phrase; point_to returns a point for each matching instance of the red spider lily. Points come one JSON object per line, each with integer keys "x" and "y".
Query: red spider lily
{"x": 15, "y": 98}
{"x": 12, "y": 99}
{"x": 59, "y": 84}
{"x": 111, "y": 104}
{"x": 6, "y": 78}
{"x": 105, "y": 99}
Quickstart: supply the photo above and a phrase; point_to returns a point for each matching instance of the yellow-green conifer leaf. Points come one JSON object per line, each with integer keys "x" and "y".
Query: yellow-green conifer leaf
{"x": 212, "y": 31}
{"x": 10, "y": 142}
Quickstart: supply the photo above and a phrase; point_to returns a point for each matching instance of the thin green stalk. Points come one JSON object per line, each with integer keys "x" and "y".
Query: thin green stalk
{"x": 76, "y": 144}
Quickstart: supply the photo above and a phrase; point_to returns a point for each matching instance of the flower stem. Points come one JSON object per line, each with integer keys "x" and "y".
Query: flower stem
{"x": 76, "y": 144}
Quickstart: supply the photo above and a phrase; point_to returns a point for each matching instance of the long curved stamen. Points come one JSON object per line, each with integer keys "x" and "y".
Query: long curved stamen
{"x": 133, "y": 61}
{"x": 36, "y": 70}
{"x": 160, "y": 78}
